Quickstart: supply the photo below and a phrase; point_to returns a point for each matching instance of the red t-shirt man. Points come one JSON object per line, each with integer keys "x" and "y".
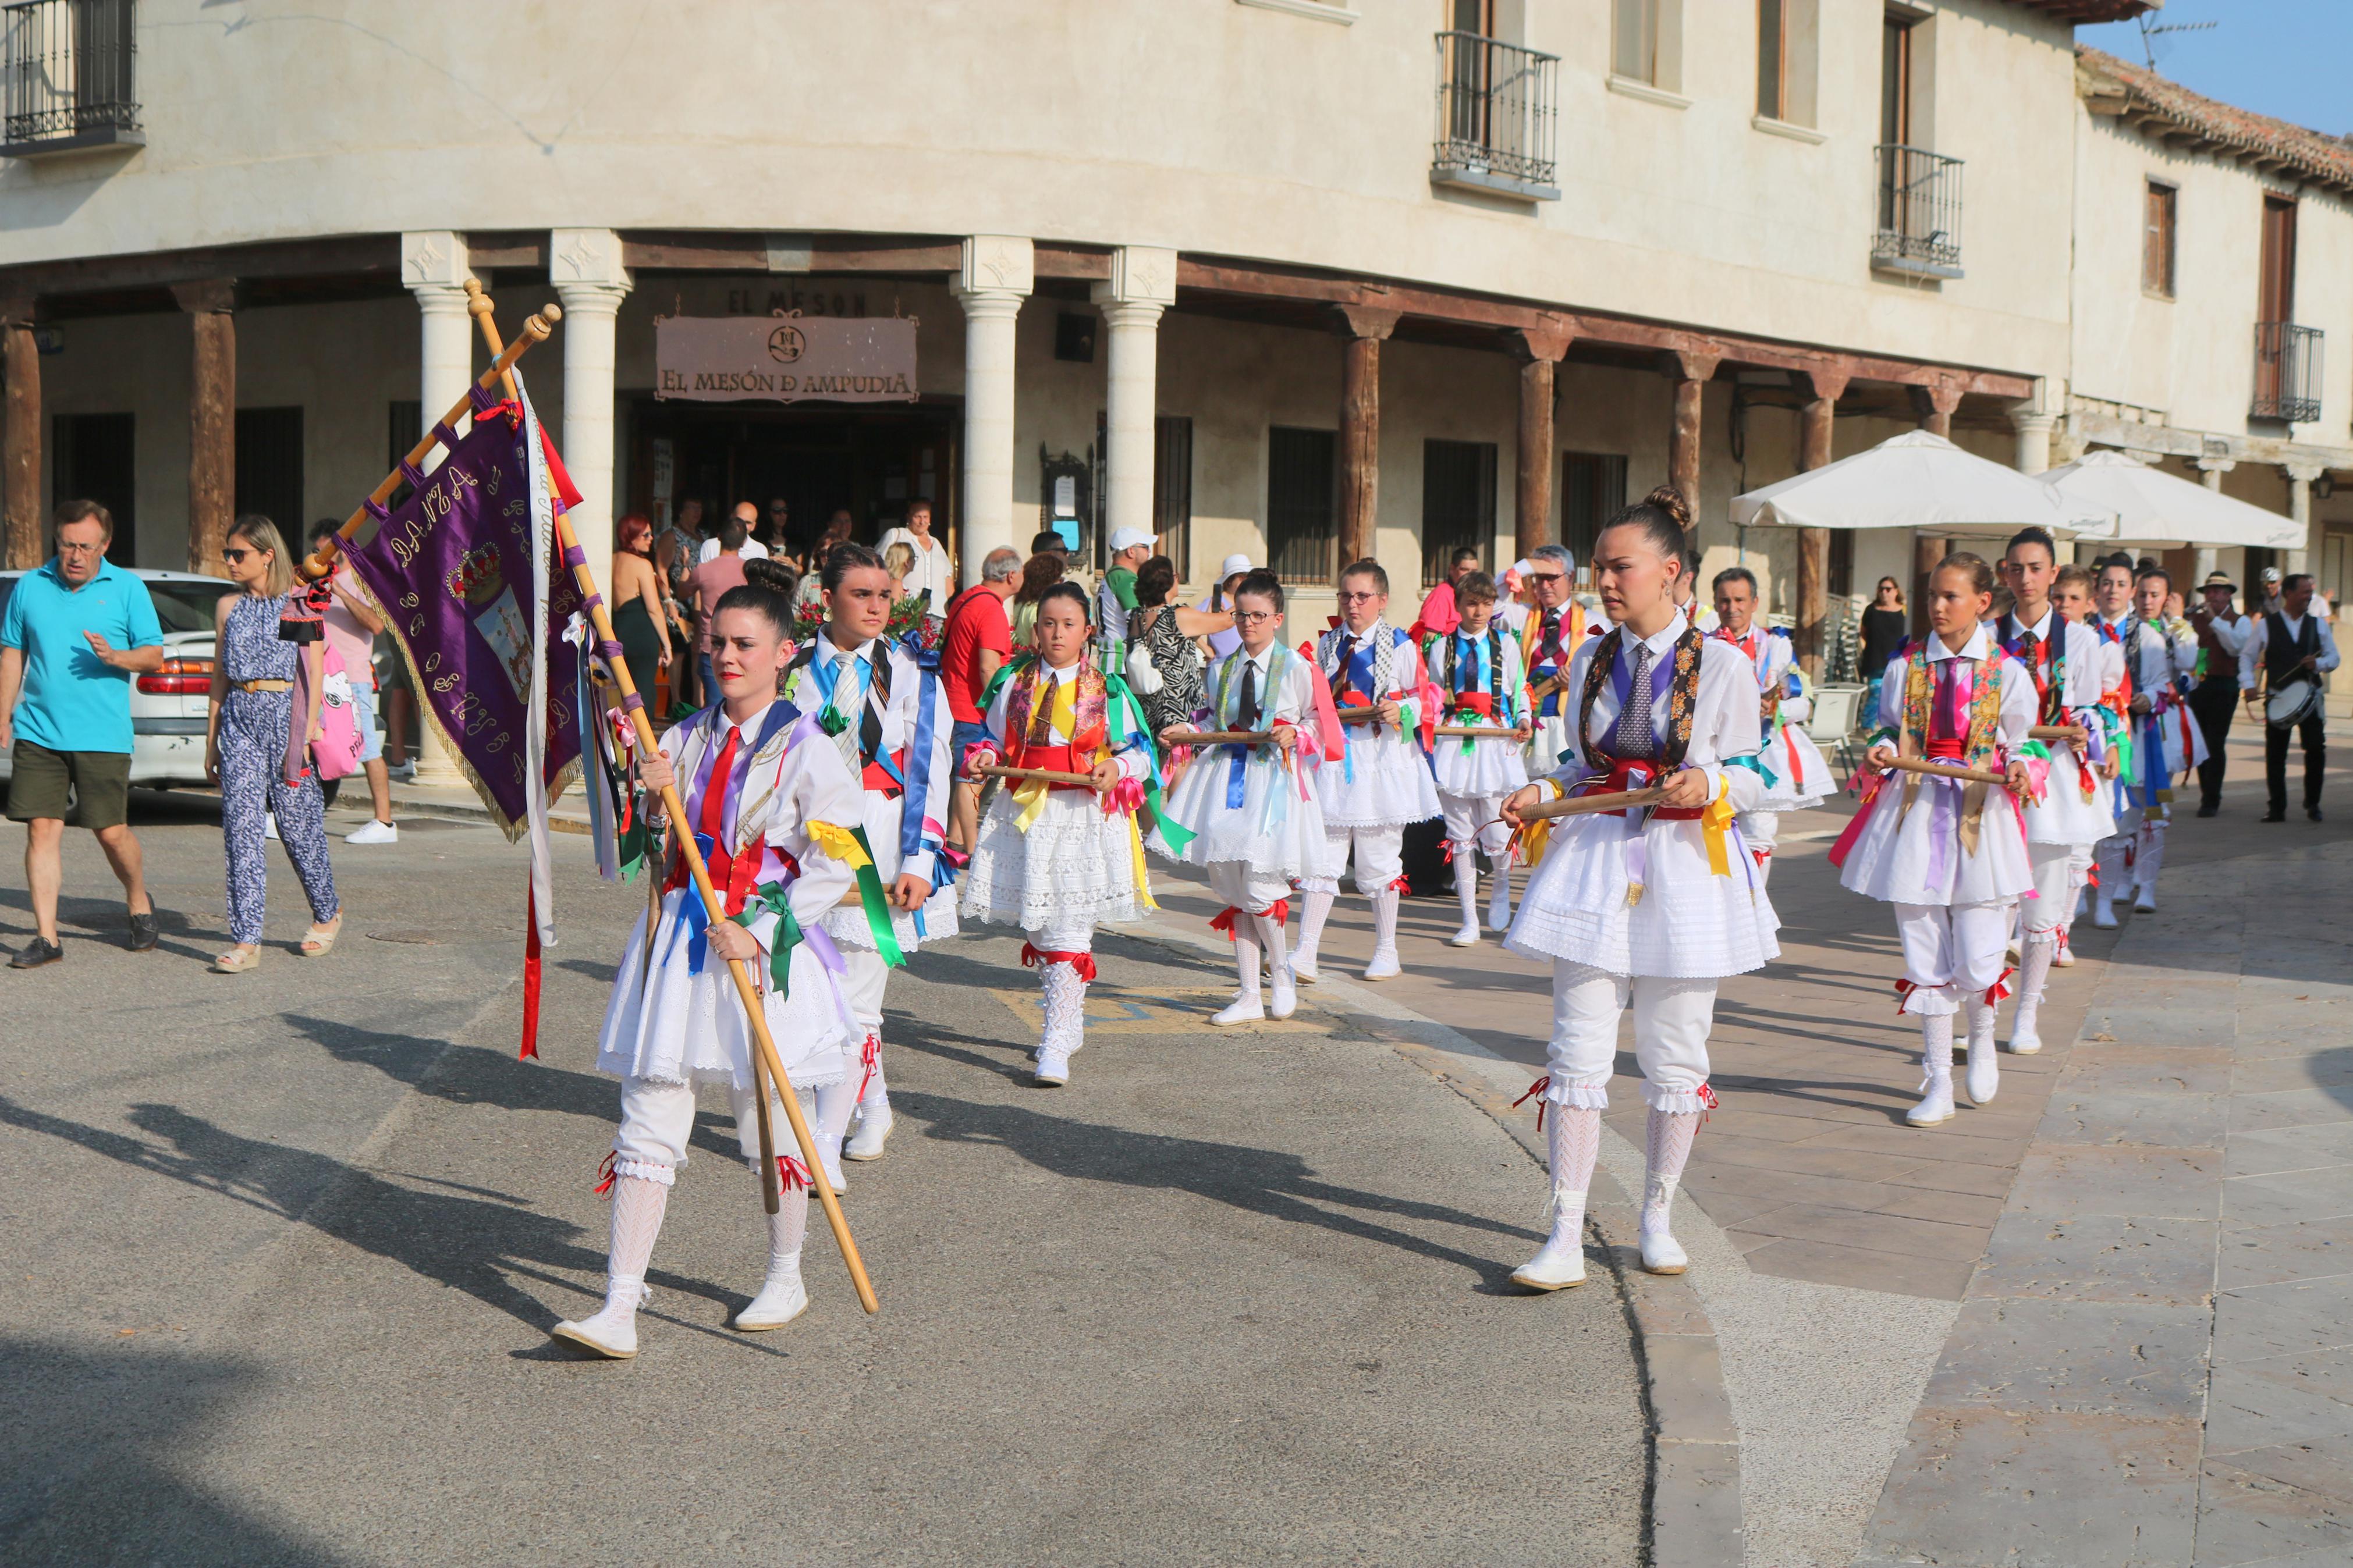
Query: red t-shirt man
{"x": 977, "y": 624}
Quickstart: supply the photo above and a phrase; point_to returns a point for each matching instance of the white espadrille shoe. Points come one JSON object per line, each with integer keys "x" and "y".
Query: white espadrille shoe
{"x": 1053, "y": 1070}
{"x": 870, "y": 1129}
{"x": 612, "y": 1331}
{"x": 1662, "y": 1254}
{"x": 782, "y": 1298}
{"x": 1558, "y": 1266}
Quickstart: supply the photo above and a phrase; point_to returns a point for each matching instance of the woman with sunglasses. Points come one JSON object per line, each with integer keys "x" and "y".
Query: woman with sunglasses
{"x": 252, "y": 750}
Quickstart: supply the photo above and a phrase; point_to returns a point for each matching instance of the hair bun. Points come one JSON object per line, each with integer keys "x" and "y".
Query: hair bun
{"x": 1670, "y": 499}
{"x": 772, "y": 575}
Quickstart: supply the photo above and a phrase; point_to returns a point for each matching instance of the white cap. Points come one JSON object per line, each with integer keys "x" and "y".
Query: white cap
{"x": 2271, "y": 574}
{"x": 1129, "y": 538}
{"x": 1232, "y": 564}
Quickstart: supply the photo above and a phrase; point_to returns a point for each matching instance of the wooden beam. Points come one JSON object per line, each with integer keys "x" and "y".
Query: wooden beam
{"x": 1365, "y": 327}
{"x": 1540, "y": 350}
{"x": 20, "y": 444}
{"x": 1933, "y": 406}
{"x": 354, "y": 256}
{"x": 1816, "y": 424}
{"x": 212, "y": 420}
{"x": 1691, "y": 371}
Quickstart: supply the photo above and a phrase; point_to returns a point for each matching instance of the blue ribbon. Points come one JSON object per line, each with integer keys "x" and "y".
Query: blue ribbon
{"x": 916, "y": 782}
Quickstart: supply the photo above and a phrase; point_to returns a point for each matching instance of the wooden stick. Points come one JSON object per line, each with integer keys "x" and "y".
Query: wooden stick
{"x": 1043, "y": 776}
{"x": 682, "y": 834}
{"x": 1967, "y": 776}
{"x": 1360, "y": 715}
{"x": 535, "y": 329}
{"x": 1217, "y": 737}
{"x": 1579, "y": 804}
{"x": 1472, "y": 731}
{"x": 2056, "y": 733}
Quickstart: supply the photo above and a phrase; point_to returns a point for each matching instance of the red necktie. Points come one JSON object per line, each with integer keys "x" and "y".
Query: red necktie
{"x": 721, "y": 857}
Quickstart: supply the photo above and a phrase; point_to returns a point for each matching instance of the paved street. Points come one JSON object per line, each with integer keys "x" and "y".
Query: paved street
{"x": 285, "y": 1247}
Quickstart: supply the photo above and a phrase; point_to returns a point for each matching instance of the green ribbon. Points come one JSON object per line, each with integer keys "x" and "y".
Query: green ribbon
{"x": 637, "y": 840}
{"x": 832, "y": 721}
{"x": 1754, "y": 763}
{"x": 878, "y": 906}
{"x": 769, "y": 899}
{"x": 1173, "y": 834}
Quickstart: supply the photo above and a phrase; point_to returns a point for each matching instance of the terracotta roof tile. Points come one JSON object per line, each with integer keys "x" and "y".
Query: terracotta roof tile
{"x": 2116, "y": 87}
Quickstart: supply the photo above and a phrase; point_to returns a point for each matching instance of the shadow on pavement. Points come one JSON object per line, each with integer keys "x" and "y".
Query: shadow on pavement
{"x": 96, "y": 1450}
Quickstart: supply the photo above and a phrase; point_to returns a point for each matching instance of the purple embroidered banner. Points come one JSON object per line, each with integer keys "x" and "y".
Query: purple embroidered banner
{"x": 456, "y": 568}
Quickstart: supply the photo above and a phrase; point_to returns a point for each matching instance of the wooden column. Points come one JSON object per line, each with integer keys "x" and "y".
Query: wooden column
{"x": 1540, "y": 350}
{"x": 20, "y": 446}
{"x": 1821, "y": 390}
{"x": 212, "y": 421}
{"x": 1360, "y": 425}
{"x": 1691, "y": 373}
{"x": 1933, "y": 406}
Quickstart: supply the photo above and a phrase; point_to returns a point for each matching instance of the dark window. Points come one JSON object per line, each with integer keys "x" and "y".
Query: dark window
{"x": 1075, "y": 336}
{"x": 269, "y": 467}
{"x": 1841, "y": 562}
{"x": 1772, "y": 60}
{"x": 1172, "y": 489}
{"x": 1458, "y": 503}
{"x": 2276, "y": 299}
{"x": 2157, "y": 240}
{"x": 94, "y": 458}
{"x": 1592, "y": 488}
{"x": 1896, "y": 82}
{"x": 1302, "y": 486}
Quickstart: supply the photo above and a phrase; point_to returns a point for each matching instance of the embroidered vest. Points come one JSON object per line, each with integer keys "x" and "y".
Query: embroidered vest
{"x": 1980, "y": 743}
{"x": 1682, "y": 694}
{"x": 2049, "y": 667}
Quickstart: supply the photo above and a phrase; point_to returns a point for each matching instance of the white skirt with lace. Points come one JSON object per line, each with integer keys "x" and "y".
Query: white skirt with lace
{"x": 1076, "y": 863}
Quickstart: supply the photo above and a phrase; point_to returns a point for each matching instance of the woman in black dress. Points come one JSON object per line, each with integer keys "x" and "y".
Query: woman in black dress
{"x": 1884, "y": 627}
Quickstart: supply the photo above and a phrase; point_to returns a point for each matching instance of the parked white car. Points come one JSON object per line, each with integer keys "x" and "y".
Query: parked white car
{"x": 167, "y": 706}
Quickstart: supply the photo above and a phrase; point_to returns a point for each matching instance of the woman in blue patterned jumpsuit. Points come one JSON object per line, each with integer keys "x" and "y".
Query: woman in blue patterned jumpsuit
{"x": 252, "y": 706}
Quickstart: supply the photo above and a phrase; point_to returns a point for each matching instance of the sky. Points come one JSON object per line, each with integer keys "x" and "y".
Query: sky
{"x": 2289, "y": 58}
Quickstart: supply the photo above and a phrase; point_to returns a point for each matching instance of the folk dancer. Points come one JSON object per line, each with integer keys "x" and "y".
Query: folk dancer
{"x": 2072, "y": 594}
{"x": 2165, "y": 743}
{"x": 1796, "y": 775}
{"x": 774, "y": 810}
{"x": 2222, "y": 635}
{"x": 1954, "y": 863}
{"x": 1650, "y": 907}
{"x": 1057, "y": 860}
{"x": 1381, "y": 784}
{"x": 1483, "y": 684}
{"x": 2291, "y": 644}
{"x": 1687, "y": 601}
{"x": 2071, "y": 813}
{"x": 887, "y": 715}
{"x": 1556, "y": 628}
{"x": 1246, "y": 813}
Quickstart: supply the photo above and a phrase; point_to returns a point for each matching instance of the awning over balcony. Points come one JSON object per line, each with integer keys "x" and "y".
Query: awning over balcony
{"x": 1920, "y": 481}
{"x": 2155, "y": 508}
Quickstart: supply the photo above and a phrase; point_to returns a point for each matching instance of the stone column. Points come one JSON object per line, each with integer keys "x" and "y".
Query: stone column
{"x": 1540, "y": 350}
{"x": 1142, "y": 284}
{"x": 1933, "y": 405}
{"x": 585, "y": 264}
{"x": 20, "y": 447}
{"x": 996, "y": 274}
{"x": 212, "y": 422}
{"x": 435, "y": 267}
{"x": 2210, "y": 474}
{"x": 2299, "y": 508}
{"x": 1360, "y": 426}
{"x": 1691, "y": 373}
{"x": 2032, "y": 429}
{"x": 1821, "y": 390}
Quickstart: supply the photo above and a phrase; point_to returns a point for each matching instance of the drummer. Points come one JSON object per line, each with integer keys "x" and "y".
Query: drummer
{"x": 2291, "y": 648}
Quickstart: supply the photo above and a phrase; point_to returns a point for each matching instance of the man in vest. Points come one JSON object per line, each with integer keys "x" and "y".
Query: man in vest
{"x": 2287, "y": 647}
{"x": 1556, "y": 625}
{"x": 2222, "y": 636}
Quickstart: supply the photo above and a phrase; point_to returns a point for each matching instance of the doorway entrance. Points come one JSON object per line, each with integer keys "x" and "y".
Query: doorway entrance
{"x": 871, "y": 459}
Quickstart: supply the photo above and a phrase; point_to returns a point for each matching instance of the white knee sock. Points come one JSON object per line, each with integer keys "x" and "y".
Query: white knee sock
{"x": 638, "y": 1206}
{"x": 1385, "y": 918}
{"x": 1310, "y": 921}
{"x": 1573, "y": 1140}
{"x": 1466, "y": 882}
{"x": 1246, "y": 958}
{"x": 878, "y": 1093}
{"x": 1936, "y": 1047}
{"x": 2149, "y": 855}
{"x": 1671, "y": 1135}
{"x": 834, "y": 1103}
{"x": 1272, "y": 936}
{"x": 2042, "y": 947}
{"x": 788, "y": 1227}
{"x": 1499, "y": 898}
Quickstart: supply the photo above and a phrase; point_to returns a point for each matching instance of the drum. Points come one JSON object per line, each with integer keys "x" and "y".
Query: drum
{"x": 2292, "y": 704}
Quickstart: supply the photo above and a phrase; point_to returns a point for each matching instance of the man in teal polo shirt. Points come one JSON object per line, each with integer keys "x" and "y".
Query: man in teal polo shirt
{"x": 75, "y": 632}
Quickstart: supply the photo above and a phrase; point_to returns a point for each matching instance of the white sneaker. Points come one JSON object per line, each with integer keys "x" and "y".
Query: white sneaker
{"x": 1302, "y": 966}
{"x": 401, "y": 772}
{"x": 2103, "y": 911}
{"x": 1285, "y": 1001}
{"x": 269, "y": 824}
{"x": 1936, "y": 1105}
{"x": 611, "y": 1332}
{"x": 373, "y": 832}
{"x": 782, "y": 1299}
{"x": 2145, "y": 901}
{"x": 1984, "y": 1074}
{"x": 1499, "y": 910}
{"x": 1662, "y": 1254}
{"x": 1558, "y": 1266}
{"x": 868, "y": 1128}
{"x": 1053, "y": 1068}
{"x": 1465, "y": 935}
{"x": 1241, "y": 1010}
{"x": 2025, "y": 1041}
{"x": 1384, "y": 965}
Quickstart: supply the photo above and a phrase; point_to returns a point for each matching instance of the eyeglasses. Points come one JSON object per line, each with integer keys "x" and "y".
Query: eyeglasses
{"x": 1543, "y": 576}
{"x": 66, "y": 549}
{"x": 234, "y": 556}
{"x": 1251, "y": 617}
{"x": 1358, "y": 598}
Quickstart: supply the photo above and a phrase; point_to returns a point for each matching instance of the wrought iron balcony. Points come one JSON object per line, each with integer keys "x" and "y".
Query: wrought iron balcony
{"x": 1496, "y": 118}
{"x": 66, "y": 76}
{"x": 2287, "y": 372}
{"x": 1919, "y": 212}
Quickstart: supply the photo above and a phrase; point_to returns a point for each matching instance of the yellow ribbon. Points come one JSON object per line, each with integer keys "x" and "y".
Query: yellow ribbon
{"x": 1715, "y": 823}
{"x": 1534, "y": 837}
{"x": 838, "y": 842}
{"x": 1136, "y": 850}
{"x": 1063, "y": 715}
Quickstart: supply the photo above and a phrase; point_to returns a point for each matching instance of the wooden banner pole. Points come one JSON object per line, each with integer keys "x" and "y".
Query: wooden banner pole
{"x": 682, "y": 834}
{"x": 1041, "y": 775}
{"x": 1937, "y": 771}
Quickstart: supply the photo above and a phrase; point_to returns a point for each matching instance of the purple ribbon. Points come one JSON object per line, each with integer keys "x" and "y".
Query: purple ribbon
{"x": 443, "y": 434}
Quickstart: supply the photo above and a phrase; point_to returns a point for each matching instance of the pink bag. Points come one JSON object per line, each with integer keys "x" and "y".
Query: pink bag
{"x": 337, "y": 750}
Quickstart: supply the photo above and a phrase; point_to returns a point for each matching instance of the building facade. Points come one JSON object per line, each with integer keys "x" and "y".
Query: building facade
{"x": 1297, "y": 279}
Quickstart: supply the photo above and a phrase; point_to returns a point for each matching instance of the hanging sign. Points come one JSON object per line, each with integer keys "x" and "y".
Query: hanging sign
{"x": 786, "y": 358}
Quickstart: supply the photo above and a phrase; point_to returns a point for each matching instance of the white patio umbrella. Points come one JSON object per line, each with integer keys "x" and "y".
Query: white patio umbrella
{"x": 1920, "y": 481}
{"x": 2156, "y": 508}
